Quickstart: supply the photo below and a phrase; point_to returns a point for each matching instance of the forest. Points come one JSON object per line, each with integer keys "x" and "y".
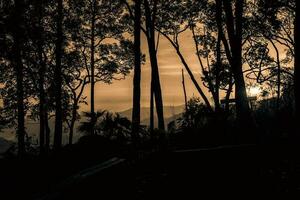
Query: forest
{"x": 237, "y": 135}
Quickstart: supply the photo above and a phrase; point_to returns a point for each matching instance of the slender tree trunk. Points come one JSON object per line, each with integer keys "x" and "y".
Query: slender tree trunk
{"x": 47, "y": 132}
{"x": 297, "y": 62}
{"x": 58, "y": 77}
{"x": 92, "y": 78}
{"x": 243, "y": 109}
{"x": 18, "y": 67}
{"x": 154, "y": 66}
{"x": 217, "y": 75}
{"x": 151, "y": 107}
{"x": 136, "y": 111}
{"x": 278, "y": 74}
{"x": 186, "y": 66}
{"x": 234, "y": 30}
{"x": 152, "y": 97}
{"x": 73, "y": 120}
{"x": 194, "y": 80}
{"x": 227, "y": 97}
{"x": 42, "y": 108}
{"x": 42, "y": 69}
{"x": 184, "y": 91}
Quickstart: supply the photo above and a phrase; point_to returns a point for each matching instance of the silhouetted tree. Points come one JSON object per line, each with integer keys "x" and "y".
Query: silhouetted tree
{"x": 150, "y": 17}
{"x": 199, "y": 20}
{"x": 17, "y": 33}
{"x": 76, "y": 81}
{"x": 100, "y": 39}
{"x": 137, "y": 71}
{"x": 234, "y": 29}
{"x": 297, "y": 62}
{"x": 58, "y": 75}
{"x": 171, "y": 23}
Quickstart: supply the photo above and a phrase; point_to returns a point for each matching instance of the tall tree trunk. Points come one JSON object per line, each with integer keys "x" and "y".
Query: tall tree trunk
{"x": 217, "y": 75}
{"x": 92, "y": 78}
{"x": 184, "y": 91}
{"x": 58, "y": 76}
{"x": 136, "y": 118}
{"x": 295, "y": 137}
{"x": 234, "y": 30}
{"x": 18, "y": 66}
{"x": 47, "y": 132}
{"x": 278, "y": 74}
{"x": 227, "y": 96}
{"x": 151, "y": 107}
{"x": 243, "y": 109}
{"x": 73, "y": 120}
{"x": 42, "y": 69}
{"x": 154, "y": 65}
{"x": 205, "y": 99}
{"x": 297, "y": 62}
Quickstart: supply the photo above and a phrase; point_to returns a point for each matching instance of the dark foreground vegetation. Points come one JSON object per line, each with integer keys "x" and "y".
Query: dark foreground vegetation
{"x": 254, "y": 171}
{"x": 238, "y": 136}
{"x": 219, "y": 164}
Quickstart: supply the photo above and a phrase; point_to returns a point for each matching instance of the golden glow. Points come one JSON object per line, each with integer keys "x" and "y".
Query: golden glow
{"x": 254, "y": 91}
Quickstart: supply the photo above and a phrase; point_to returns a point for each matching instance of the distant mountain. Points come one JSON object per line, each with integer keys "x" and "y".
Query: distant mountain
{"x": 32, "y": 127}
{"x": 170, "y": 113}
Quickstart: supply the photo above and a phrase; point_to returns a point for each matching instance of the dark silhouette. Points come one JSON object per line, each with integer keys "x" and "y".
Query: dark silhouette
{"x": 136, "y": 118}
{"x": 296, "y": 40}
{"x": 58, "y": 76}
{"x": 184, "y": 89}
{"x": 150, "y": 34}
{"x": 234, "y": 27}
{"x": 236, "y": 136}
{"x": 18, "y": 21}
{"x": 39, "y": 6}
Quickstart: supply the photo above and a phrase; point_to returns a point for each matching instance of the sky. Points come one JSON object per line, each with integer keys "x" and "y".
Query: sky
{"x": 118, "y": 95}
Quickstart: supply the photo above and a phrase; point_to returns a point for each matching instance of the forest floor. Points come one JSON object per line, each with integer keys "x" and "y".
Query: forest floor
{"x": 242, "y": 172}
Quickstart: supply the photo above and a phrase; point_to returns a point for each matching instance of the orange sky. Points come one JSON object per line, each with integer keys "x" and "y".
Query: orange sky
{"x": 118, "y": 96}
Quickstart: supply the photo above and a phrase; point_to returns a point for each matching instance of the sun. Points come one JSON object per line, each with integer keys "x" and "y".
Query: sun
{"x": 254, "y": 91}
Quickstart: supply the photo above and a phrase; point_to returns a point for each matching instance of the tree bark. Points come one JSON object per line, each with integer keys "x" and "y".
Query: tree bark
{"x": 217, "y": 75}
{"x": 234, "y": 31}
{"x": 58, "y": 76}
{"x": 154, "y": 65}
{"x": 151, "y": 107}
{"x": 47, "y": 132}
{"x": 278, "y": 74}
{"x": 136, "y": 118}
{"x": 73, "y": 120}
{"x": 92, "y": 78}
{"x": 18, "y": 67}
{"x": 186, "y": 66}
{"x": 184, "y": 91}
{"x": 42, "y": 70}
{"x": 205, "y": 99}
{"x": 297, "y": 63}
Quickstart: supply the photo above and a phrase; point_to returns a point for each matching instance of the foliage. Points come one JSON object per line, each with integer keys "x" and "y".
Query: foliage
{"x": 109, "y": 125}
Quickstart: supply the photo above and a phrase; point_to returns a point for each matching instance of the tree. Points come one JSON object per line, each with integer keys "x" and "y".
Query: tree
{"x": 33, "y": 60}
{"x": 150, "y": 17}
{"x": 101, "y": 42}
{"x": 297, "y": 62}
{"x": 17, "y": 32}
{"x": 276, "y": 17}
{"x": 58, "y": 76}
{"x": 76, "y": 81}
{"x": 171, "y": 24}
{"x": 234, "y": 28}
{"x": 137, "y": 71}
